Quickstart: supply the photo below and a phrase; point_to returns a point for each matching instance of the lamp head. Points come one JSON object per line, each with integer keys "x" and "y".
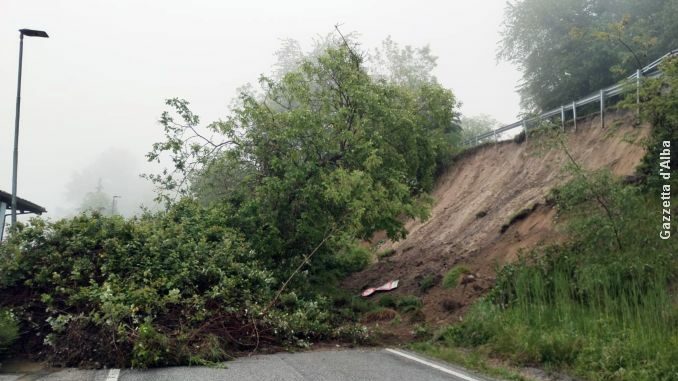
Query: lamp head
{"x": 33, "y": 33}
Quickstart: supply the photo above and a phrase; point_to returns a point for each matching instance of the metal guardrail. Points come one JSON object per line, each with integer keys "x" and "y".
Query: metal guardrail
{"x": 649, "y": 71}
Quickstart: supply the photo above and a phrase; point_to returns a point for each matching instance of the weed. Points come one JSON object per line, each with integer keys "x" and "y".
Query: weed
{"x": 427, "y": 282}
{"x": 9, "y": 330}
{"x": 388, "y": 301}
{"x": 409, "y": 303}
{"x": 386, "y": 253}
{"x": 421, "y": 331}
{"x": 451, "y": 278}
{"x": 472, "y": 359}
{"x": 380, "y": 314}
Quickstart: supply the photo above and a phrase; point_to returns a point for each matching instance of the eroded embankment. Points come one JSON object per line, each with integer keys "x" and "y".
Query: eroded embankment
{"x": 482, "y": 192}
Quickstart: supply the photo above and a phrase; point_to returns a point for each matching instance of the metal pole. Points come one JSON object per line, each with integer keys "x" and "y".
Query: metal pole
{"x": 525, "y": 129}
{"x": 3, "y": 210}
{"x": 16, "y": 130}
{"x": 574, "y": 115}
{"x": 113, "y": 205}
{"x": 562, "y": 117}
{"x": 638, "y": 95}
{"x": 602, "y": 108}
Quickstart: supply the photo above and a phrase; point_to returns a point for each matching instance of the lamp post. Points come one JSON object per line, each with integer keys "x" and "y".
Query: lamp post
{"x": 29, "y": 33}
{"x": 113, "y": 205}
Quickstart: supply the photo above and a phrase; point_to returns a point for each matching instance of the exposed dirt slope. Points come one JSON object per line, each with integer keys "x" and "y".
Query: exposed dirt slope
{"x": 481, "y": 192}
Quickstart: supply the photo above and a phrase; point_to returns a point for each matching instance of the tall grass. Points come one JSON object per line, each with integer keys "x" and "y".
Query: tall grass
{"x": 602, "y": 324}
{"x": 601, "y": 310}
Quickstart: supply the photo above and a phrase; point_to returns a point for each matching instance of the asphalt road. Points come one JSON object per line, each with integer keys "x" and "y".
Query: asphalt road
{"x": 339, "y": 365}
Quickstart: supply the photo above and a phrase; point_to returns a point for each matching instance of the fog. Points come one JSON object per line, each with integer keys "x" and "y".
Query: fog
{"x": 93, "y": 92}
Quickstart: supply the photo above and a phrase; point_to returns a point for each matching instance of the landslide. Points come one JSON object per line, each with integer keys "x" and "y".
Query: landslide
{"x": 491, "y": 204}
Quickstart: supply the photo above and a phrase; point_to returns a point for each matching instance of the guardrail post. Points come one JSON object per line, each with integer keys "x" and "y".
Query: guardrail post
{"x": 562, "y": 117}
{"x": 574, "y": 115}
{"x": 602, "y": 108}
{"x": 525, "y": 130}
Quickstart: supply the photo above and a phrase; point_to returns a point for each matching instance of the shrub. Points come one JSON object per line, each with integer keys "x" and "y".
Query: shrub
{"x": 359, "y": 304}
{"x": 519, "y": 138}
{"x": 409, "y": 303}
{"x": 353, "y": 258}
{"x": 386, "y": 253}
{"x": 388, "y": 301}
{"x": 421, "y": 331}
{"x": 148, "y": 291}
{"x": 9, "y": 330}
{"x": 427, "y": 282}
{"x": 380, "y": 314}
{"x": 406, "y": 303}
{"x": 479, "y": 326}
{"x": 451, "y": 278}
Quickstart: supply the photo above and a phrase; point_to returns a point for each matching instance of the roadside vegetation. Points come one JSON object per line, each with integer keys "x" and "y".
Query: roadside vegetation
{"x": 602, "y": 305}
{"x": 9, "y": 330}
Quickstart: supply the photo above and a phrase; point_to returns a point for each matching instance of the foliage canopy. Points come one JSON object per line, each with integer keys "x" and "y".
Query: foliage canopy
{"x": 327, "y": 150}
{"x": 568, "y": 49}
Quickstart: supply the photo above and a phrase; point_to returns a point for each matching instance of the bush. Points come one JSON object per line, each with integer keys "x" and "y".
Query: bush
{"x": 406, "y": 303}
{"x": 478, "y": 327}
{"x": 9, "y": 330}
{"x": 388, "y": 301}
{"x": 409, "y": 303}
{"x": 355, "y": 259}
{"x": 386, "y": 253}
{"x": 380, "y": 314}
{"x": 148, "y": 291}
{"x": 451, "y": 278}
{"x": 427, "y": 282}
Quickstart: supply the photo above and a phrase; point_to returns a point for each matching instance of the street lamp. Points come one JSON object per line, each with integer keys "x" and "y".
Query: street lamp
{"x": 113, "y": 205}
{"x": 29, "y": 33}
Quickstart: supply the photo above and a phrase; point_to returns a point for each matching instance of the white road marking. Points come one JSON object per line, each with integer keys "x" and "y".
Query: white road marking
{"x": 432, "y": 365}
{"x": 113, "y": 375}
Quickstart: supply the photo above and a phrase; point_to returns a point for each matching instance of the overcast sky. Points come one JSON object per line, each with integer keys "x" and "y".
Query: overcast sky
{"x": 95, "y": 88}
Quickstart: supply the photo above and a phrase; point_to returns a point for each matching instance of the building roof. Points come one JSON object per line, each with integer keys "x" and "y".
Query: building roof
{"x": 22, "y": 206}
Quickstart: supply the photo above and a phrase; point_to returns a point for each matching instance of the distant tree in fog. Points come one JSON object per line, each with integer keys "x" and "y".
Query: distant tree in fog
{"x": 118, "y": 171}
{"x": 97, "y": 201}
{"x": 477, "y": 124}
